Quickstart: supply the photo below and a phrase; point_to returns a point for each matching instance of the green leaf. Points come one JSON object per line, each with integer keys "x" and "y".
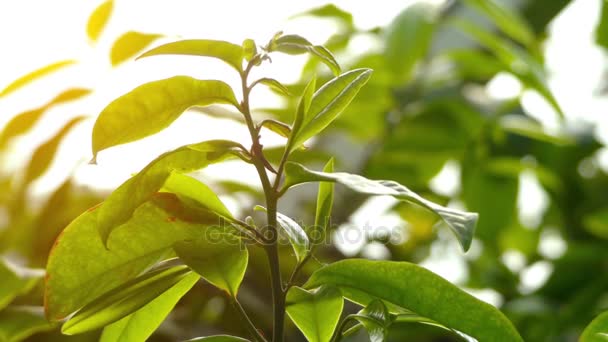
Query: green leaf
{"x": 376, "y": 320}
{"x": 506, "y": 19}
{"x": 409, "y": 37}
{"x": 601, "y": 32}
{"x": 329, "y": 102}
{"x": 303, "y": 107}
{"x": 218, "y": 338}
{"x": 316, "y": 313}
{"x": 81, "y": 269}
{"x": 34, "y": 75}
{"x": 461, "y": 223}
{"x": 19, "y": 322}
{"x": 325, "y": 200}
{"x": 220, "y": 259}
{"x": 295, "y": 45}
{"x": 154, "y": 106}
{"x": 139, "y": 326}
{"x": 416, "y": 289}
{"x": 597, "y": 330}
{"x": 125, "y": 299}
{"x": 274, "y": 85}
{"x": 43, "y": 156}
{"x": 295, "y": 233}
{"x": 129, "y": 44}
{"x": 99, "y": 19}
{"x": 119, "y": 206}
{"x": 529, "y": 128}
{"x": 278, "y": 127}
{"x": 23, "y": 122}
{"x": 249, "y": 49}
{"x": 596, "y": 223}
{"x": 331, "y": 11}
{"x": 230, "y": 53}
{"x": 191, "y": 188}
{"x": 16, "y": 281}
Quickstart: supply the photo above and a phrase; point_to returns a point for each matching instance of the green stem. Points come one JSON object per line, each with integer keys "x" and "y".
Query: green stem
{"x": 272, "y": 253}
{"x": 253, "y": 331}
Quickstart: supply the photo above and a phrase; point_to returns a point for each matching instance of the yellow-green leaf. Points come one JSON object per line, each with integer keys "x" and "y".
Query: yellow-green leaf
{"x": 17, "y": 323}
{"x": 154, "y": 106}
{"x": 325, "y": 200}
{"x": 98, "y": 19}
{"x": 16, "y": 280}
{"x": 129, "y": 44}
{"x": 34, "y": 75}
{"x": 316, "y": 313}
{"x": 230, "y": 53}
{"x": 597, "y": 330}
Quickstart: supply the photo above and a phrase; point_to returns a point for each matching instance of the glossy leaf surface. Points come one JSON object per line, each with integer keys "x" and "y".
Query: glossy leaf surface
{"x": 125, "y": 299}
{"x": 376, "y": 320}
{"x": 230, "y": 53}
{"x": 316, "y": 313}
{"x": 153, "y": 106}
{"x": 461, "y": 223}
{"x": 419, "y": 290}
{"x": 139, "y": 326}
{"x": 129, "y": 45}
{"x": 295, "y": 233}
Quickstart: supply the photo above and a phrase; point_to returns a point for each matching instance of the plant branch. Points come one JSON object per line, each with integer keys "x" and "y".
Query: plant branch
{"x": 253, "y": 331}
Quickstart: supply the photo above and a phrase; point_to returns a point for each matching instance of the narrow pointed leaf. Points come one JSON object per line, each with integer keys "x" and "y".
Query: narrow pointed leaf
{"x": 376, "y": 320}
{"x": 316, "y": 313}
{"x": 16, "y": 281}
{"x": 124, "y": 300}
{"x": 191, "y": 188}
{"x": 218, "y": 338}
{"x": 154, "y": 106}
{"x": 43, "y": 156}
{"x": 17, "y": 323}
{"x": 295, "y": 233}
{"x": 81, "y": 269}
{"x": 220, "y": 259}
{"x": 597, "y": 330}
{"x": 139, "y": 326}
{"x": 278, "y": 127}
{"x": 34, "y": 75}
{"x": 98, "y": 19}
{"x": 304, "y": 104}
{"x": 325, "y": 200}
{"x": 274, "y": 85}
{"x": 120, "y": 205}
{"x": 329, "y": 102}
{"x": 230, "y": 53}
{"x": 461, "y": 223}
{"x": 601, "y": 31}
{"x": 129, "y": 45}
{"x": 416, "y": 289}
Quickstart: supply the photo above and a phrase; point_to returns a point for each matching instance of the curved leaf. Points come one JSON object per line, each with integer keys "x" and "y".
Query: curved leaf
{"x": 303, "y": 107}
{"x": 99, "y": 19}
{"x": 81, "y": 269}
{"x": 32, "y": 76}
{"x": 129, "y": 44}
{"x": 140, "y": 325}
{"x": 597, "y": 330}
{"x": 154, "y": 106}
{"x": 409, "y": 37}
{"x": 295, "y": 45}
{"x": 120, "y": 205}
{"x": 16, "y": 281}
{"x": 376, "y": 320}
{"x": 295, "y": 233}
{"x": 220, "y": 259}
{"x": 19, "y": 322}
{"x": 125, "y": 299}
{"x": 43, "y": 156}
{"x": 218, "y": 338}
{"x": 461, "y": 223}
{"x": 330, "y": 101}
{"x": 249, "y": 49}
{"x": 230, "y": 53}
{"x": 274, "y": 85}
{"x": 316, "y": 313}
{"x": 414, "y": 288}
{"x": 278, "y": 127}
{"x": 325, "y": 200}
{"x": 331, "y": 11}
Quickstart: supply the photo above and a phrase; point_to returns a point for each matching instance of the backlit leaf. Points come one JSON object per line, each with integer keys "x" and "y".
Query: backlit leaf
{"x": 278, "y": 127}
{"x": 329, "y": 102}
{"x": 19, "y": 322}
{"x": 331, "y": 11}
{"x": 125, "y": 299}
{"x": 154, "y": 106}
{"x": 121, "y": 204}
{"x": 99, "y": 19}
{"x": 219, "y": 258}
{"x": 139, "y": 326}
{"x": 325, "y": 199}
{"x": 34, "y": 75}
{"x": 249, "y": 49}
{"x": 81, "y": 269}
{"x": 316, "y": 313}
{"x": 295, "y": 233}
{"x": 129, "y": 44}
{"x": 16, "y": 280}
{"x": 597, "y": 330}
{"x": 376, "y": 320}
{"x": 416, "y": 289}
{"x": 461, "y": 223}
{"x": 274, "y": 85}
{"x": 230, "y": 53}
{"x": 295, "y": 45}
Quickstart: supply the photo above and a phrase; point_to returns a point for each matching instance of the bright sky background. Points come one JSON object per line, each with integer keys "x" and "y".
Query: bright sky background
{"x": 34, "y": 33}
